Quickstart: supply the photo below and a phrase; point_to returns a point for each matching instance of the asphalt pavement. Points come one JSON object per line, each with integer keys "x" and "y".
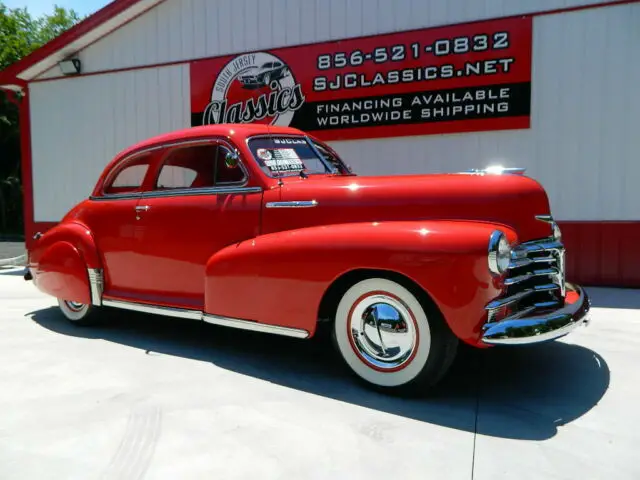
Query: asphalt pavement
{"x": 159, "y": 398}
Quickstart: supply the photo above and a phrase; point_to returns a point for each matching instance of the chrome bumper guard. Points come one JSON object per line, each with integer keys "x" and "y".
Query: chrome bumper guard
{"x": 520, "y": 329}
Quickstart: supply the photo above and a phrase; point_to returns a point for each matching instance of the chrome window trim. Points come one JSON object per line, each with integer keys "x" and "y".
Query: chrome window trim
{"x": 189, "y": 314}
{"x": 186, "y": 192}
{"x": 190, "y": 192}
{"x": 151, "y": 148}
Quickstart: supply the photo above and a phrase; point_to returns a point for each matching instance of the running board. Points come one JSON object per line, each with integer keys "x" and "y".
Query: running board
{"x": 213, "y": 319}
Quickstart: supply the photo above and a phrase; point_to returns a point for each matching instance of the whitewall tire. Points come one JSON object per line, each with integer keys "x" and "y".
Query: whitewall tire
{"x": 391, "y": 338}
{"x": 77, "y": 313}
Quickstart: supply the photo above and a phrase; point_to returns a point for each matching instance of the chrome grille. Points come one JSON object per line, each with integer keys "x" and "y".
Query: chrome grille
{"x": 535, "y": 281}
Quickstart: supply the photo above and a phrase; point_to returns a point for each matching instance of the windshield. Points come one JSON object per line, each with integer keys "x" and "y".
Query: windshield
{"x": 291, "y": 155}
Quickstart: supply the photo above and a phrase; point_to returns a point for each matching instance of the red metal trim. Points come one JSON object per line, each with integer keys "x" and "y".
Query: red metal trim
{"x": 603, "y": 253}
{"x": 26, "y": 167}
{"x": 189, "y": 60}
{"x": 116, "y": 7}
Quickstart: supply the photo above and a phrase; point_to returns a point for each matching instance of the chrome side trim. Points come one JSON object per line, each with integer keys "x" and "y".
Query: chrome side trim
{"x": 154, "y": 309}
{"x": 255, "y": 326}
{"x": 293, "y": 204}
{"x": 213, "y": 319}
{"x": 96, "y": 283}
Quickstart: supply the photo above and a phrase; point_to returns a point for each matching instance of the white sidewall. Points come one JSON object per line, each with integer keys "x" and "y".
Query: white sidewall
{"x": 73, "y": 315}
{"x": 383, "y": 379}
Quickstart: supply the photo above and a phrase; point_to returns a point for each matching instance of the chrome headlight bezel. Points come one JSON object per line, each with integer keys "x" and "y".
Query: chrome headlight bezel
{"x": 499, "y": 256}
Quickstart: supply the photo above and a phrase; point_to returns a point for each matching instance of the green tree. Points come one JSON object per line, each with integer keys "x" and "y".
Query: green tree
{"x": 20, "y": 34}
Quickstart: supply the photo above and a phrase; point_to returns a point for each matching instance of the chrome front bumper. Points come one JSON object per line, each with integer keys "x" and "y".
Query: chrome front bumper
{"x": 544, "y": 327}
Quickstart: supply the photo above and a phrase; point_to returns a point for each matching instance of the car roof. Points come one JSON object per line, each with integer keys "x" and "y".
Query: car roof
{"x": 237, "y": 131}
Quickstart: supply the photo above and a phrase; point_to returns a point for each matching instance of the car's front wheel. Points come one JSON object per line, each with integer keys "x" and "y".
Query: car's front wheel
{"x": 78, "y": 313}
{"x": 393, "y": 338}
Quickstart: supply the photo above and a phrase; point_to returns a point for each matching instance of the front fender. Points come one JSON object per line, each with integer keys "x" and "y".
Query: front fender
{"x": 280, "y": 278}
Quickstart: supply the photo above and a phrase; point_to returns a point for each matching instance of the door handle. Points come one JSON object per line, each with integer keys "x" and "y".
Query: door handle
{"x": 142, "y": 208}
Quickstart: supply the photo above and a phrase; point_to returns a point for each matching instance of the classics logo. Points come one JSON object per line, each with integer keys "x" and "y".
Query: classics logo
{"x": 254, "y": 88}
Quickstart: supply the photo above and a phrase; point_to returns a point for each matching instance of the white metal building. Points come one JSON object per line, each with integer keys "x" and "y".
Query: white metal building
{"x": 576, "y": 132}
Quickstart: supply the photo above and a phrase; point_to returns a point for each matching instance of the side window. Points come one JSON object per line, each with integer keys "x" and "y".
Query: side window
{"x": 175, "y": 176}
{"x": 198, "y": 166}
{"x": 129, "y": 178}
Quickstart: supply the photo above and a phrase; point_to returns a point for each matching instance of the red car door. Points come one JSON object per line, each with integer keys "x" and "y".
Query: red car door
{"x": 112, "y": 220}
{"x": 200, "y": 202}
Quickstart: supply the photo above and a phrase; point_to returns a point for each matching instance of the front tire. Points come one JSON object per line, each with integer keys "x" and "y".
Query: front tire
{"x": 393, "y": 338}
{"x": 78, "y": 313}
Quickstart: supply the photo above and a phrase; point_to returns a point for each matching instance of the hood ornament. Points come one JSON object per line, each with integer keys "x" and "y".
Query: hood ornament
{"x": 497, "y": 170}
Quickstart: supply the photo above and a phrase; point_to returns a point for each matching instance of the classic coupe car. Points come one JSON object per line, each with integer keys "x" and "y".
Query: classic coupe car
{"x": 265, "y": 228}
{"x": 257, "y": 77}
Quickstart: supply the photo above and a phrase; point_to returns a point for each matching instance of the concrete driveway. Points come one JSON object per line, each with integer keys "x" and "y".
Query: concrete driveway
{"x": 149, "y": 397}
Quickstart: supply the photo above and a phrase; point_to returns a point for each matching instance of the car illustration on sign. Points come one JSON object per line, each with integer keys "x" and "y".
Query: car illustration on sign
{"x": 258, "y": 77}
{"x": 265, "y": 228}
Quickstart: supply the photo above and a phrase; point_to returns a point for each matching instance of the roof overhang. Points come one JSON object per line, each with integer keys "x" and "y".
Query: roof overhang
{"x": 103, "y": 22}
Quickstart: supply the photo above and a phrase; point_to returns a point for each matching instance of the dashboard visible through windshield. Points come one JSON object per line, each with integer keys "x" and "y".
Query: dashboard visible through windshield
{"x": 291, "y": 155}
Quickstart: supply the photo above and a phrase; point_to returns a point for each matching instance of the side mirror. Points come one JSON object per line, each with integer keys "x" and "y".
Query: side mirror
{"x": 231, "y": 159}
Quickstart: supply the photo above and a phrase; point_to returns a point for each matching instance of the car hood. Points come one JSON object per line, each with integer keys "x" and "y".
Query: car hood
{"x": 511, "y": 200}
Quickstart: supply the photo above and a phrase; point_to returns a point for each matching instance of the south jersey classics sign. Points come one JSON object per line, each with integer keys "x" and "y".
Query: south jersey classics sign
{"x": 461, "y": 78}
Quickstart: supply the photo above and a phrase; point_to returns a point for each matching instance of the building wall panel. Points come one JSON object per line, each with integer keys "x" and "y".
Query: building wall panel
{"x": 178, "y": 30}
{"x": 79, "y": 124}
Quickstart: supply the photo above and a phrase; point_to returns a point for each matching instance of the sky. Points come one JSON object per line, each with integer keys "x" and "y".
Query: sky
{"x": 40, "y": 7}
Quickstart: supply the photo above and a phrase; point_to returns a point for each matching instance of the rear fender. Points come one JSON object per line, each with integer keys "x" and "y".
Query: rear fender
{"x": 61, "y": 260}
{"x": 281, "y": 278}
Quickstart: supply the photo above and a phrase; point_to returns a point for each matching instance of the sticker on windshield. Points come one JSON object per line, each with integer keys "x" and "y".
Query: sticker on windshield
{"x": 264, "y": 154}
{"x": 282, "y": 160}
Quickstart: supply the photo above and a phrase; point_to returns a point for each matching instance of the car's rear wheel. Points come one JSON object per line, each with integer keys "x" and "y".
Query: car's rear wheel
{"x": 78, "y": 313}
{"x": 392, "y": 337}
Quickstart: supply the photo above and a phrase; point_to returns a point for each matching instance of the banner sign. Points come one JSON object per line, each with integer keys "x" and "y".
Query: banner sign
{"x": 461, "y": 78}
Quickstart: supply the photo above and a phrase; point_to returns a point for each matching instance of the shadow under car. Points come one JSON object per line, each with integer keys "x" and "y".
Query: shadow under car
{"x": 519, "y": 393}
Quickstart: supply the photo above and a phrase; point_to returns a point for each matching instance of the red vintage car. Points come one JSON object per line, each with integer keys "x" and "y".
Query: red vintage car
{"x": 265, "y": 228}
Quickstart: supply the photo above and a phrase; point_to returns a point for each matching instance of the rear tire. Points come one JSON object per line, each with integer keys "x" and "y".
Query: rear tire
{"x": 78, "y": 313}
{"x": 393, "y": 338}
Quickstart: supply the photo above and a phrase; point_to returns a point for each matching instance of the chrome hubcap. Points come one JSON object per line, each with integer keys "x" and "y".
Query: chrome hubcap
{"x": 76, "y": 307}
{"x": 383, "y": 332}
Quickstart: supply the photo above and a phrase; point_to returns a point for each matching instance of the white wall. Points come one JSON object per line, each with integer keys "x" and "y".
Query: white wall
{"x": 584, "y": 141}
{"x": 79, "y": 124}
{"x": 178, "y": 30}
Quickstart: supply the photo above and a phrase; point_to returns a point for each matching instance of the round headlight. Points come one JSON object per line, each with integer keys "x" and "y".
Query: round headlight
{"x": 499, "y": 253}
